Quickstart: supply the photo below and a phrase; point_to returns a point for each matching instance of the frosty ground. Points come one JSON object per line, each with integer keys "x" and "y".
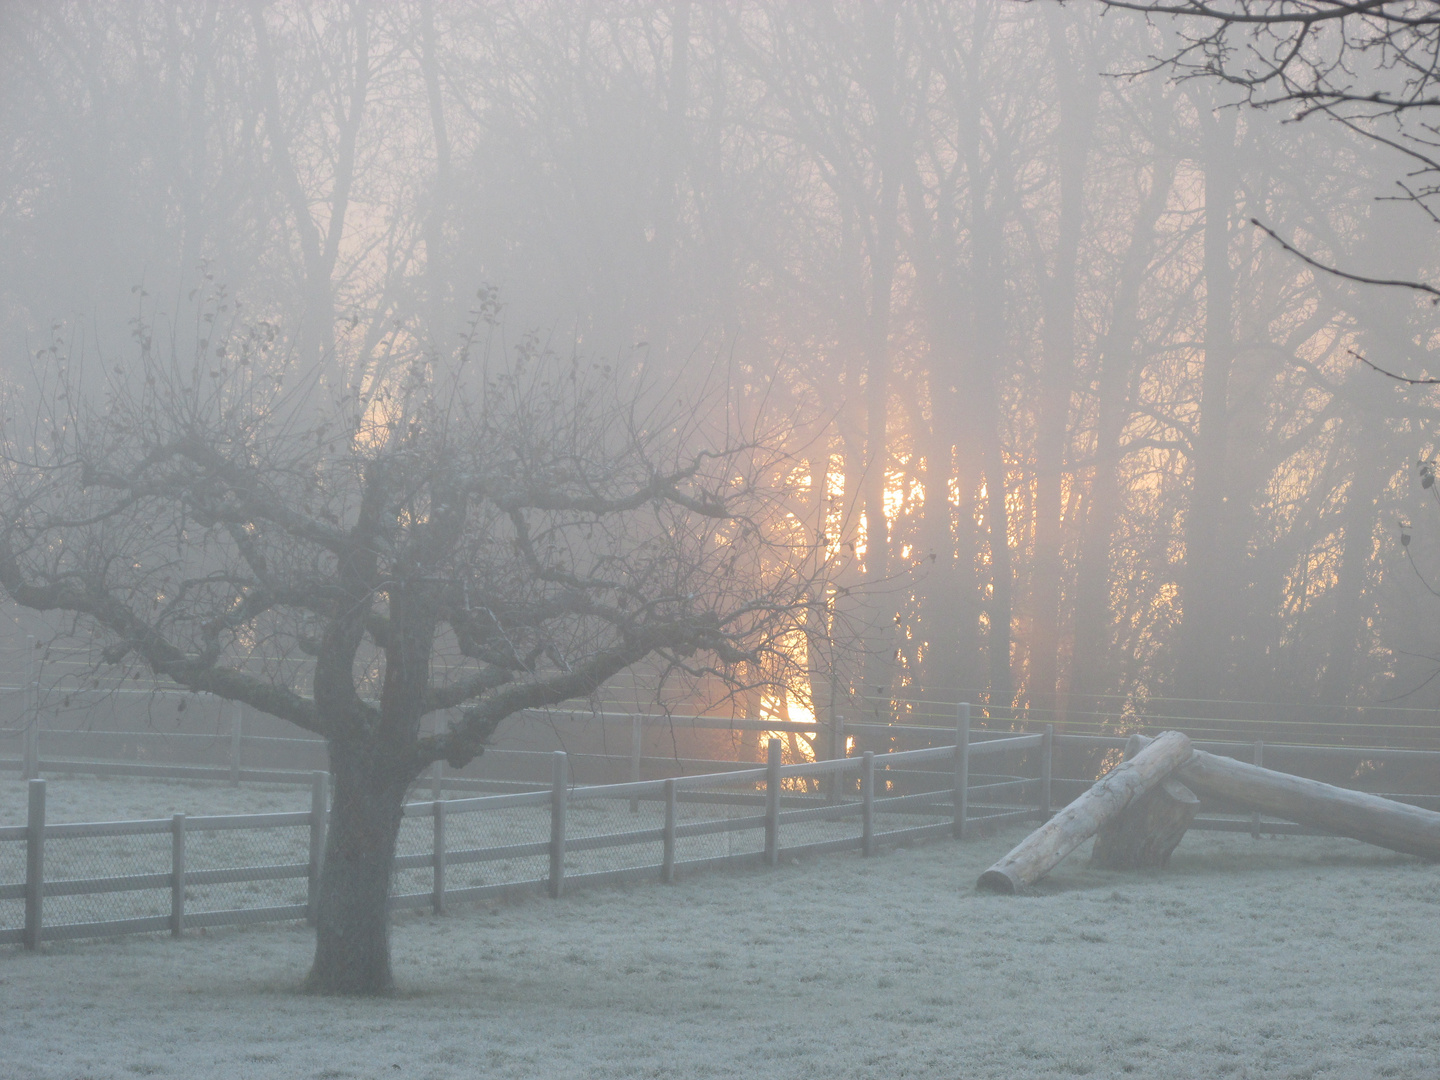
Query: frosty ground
{"x": 1277, "y": 958}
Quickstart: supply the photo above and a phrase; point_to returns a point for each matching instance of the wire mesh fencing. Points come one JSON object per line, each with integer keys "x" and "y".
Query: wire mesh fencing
{"x": 822, "y": 806}
{"x": 717, "y": 818}
{"x": 97, "y": 878}
{"x": 914, "y": 792}
{"x": 88, "y": 879}
{"x": 91, "y": 879}
{"x": 12, "y": 883}
{"x": 232, "y": 870}
{"x": 505, "y": 843}
{"x": 609, "y": 834}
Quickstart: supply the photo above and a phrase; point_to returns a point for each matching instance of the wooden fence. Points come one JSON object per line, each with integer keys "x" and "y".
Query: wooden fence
{"x": 771, "y": 811}
{"x": 869, "y": 792}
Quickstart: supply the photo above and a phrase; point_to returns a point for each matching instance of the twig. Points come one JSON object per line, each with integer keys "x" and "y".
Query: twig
{"x": 1391, "y": 375}
{"x": 1418, "y": 286}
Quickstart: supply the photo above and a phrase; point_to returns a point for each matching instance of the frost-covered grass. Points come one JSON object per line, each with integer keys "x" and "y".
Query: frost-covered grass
{"x": 1283, "y": 958}
{"x": 123, "y": 798}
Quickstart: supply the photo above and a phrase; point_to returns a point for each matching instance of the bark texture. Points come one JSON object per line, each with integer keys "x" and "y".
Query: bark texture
{"x": 352, "y": 919}
{"x": 1356, "y": 814}
{"x": 1143, "y": 835}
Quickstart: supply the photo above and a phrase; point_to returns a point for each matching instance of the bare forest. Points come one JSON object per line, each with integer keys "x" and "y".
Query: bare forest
{"x": 1071, "y": 431}
{"x": 661, "y": 439}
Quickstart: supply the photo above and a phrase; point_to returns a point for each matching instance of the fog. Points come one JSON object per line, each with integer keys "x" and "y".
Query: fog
{"x": 1078, "y": 433}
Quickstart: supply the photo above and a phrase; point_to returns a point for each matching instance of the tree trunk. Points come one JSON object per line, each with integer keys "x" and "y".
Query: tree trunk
{"x": 1093, "y": 656}
{"x": 1208, "y": 573}
{"x": 1042, "y": 850}
{"x": 352, "y": 920}
{"x": 1078, "y": 100}
{"x": 1001, "y": 690}
{"x": 948, "y": 615}
{"x": 880, "y": 637}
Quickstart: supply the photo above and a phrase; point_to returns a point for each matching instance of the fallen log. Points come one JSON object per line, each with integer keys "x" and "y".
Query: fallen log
{"x": 1143, "y": 835}
{"x": 1042, "y": 850}
{"x": 1356, "y": 814}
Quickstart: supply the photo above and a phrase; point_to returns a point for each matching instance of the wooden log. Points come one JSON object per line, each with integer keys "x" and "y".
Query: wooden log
{"x": 1145, "y": 833}
{"x": 1043, "y": 849}
{"x": 1356, "y": 814}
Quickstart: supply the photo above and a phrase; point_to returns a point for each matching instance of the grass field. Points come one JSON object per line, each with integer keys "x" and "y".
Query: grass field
{"x": 1292, "y": 958}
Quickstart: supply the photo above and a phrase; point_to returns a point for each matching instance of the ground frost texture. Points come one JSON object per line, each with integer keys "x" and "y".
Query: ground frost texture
{"x": 1277, "y": 958}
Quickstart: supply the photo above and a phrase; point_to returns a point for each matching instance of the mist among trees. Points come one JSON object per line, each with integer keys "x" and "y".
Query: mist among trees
{"x": 1074, "y": 432}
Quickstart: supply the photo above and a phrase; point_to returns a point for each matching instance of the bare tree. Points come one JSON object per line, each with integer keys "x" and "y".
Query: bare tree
{"x": 475, "y": 538}
{"x": 1309, "y": 52}
{"x": 1372, "y": 66}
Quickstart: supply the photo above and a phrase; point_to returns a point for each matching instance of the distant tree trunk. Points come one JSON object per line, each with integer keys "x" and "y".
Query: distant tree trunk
{"x": 437, "y": 274}
{"x": 819, "y": 658}
{"x": 1202, "y": 651}
{"x": 987, "y": 214}
{"x": 948, "y": 614}
{"x": 750, "y": 710}
{"x": 1002, "y": 688}
{"x": 948, "y": 608}
{"x": 1349, "y": 626}
{"x": 1385, "y": 326}
{"x": 319, "y": 251}
{"x": 879, "y": 606}
{"x": 988, "y": 282}
{"x": 1117, "y": 358}
{"x": 1078, "y": 99}
{"x": 193, "y": 217}
{"x": 352, "y": 922}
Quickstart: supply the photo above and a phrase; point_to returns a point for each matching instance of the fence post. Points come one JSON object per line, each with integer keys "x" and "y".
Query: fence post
{"x": 772, "y": 803}
{"x": 437, "y": 900}
{"x": 1255, "y": 818}
{"x": 34, "y": 864}
{"x": 236, "y": 719}
{"x": 319, "y": 807}
{"x": 177, "y": 875}
{"x": 961, "y": 797}
{"x": 1047, "y": 766}
{"x": 559, "y": 792}
{"x": 636, "y": 739}
{"x": 667, "y": 861}
{"x": 867, "y": 800}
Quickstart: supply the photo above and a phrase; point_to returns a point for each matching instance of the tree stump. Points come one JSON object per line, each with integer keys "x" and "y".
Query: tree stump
{"x": 1146, "y": 832}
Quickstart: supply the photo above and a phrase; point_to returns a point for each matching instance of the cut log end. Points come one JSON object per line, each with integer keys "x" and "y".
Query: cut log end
{"x": 997, "y": 881}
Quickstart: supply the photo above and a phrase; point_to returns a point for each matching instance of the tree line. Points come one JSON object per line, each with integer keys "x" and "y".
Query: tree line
{"x": 1076, "y": 431}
